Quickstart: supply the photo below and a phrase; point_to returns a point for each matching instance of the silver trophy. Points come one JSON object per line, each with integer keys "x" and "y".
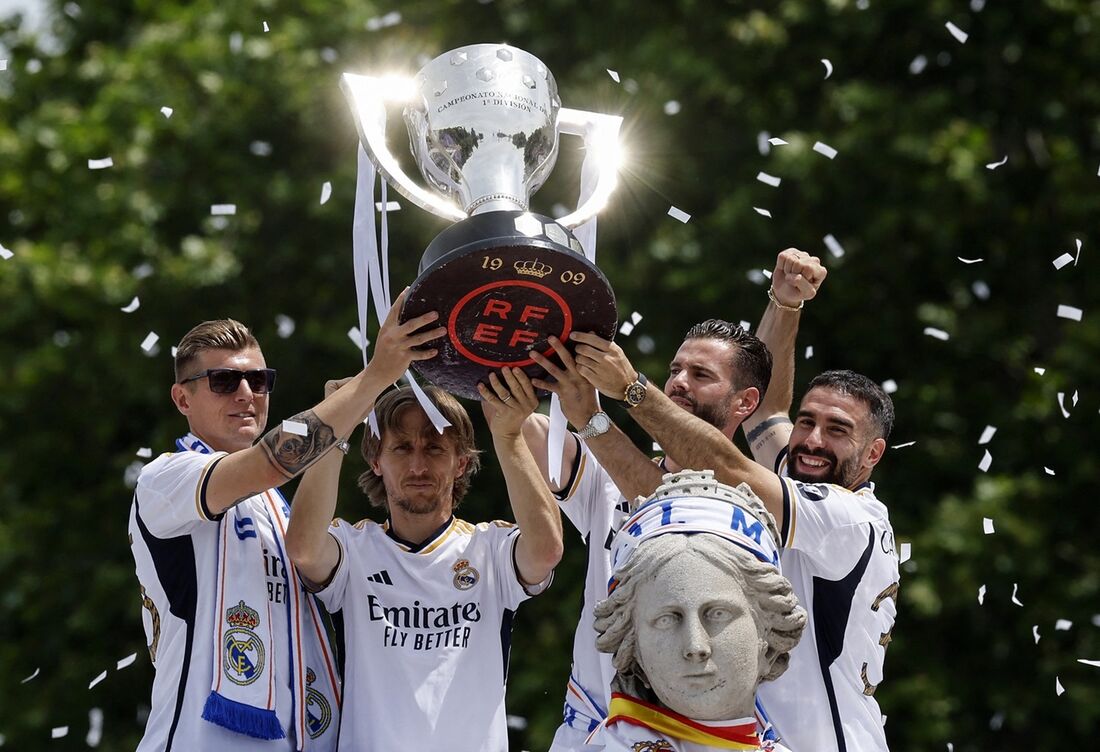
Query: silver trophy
{"x": 483, "y": 123}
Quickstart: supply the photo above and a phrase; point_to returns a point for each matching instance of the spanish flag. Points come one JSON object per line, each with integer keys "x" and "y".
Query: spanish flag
{"x": 736, "y": 734}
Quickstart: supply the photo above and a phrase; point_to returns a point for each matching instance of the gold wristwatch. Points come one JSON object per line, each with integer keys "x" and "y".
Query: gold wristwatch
{"x": 635, "y": 391}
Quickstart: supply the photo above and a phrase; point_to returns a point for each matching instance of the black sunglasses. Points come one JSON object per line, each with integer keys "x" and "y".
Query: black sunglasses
{"x": 227, "y": 380}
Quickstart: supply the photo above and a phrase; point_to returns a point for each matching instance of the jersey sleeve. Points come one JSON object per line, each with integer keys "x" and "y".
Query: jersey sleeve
{"x": 510, "y": 587}
{"x": 589, "y": 486}
{"x": 332, "y": 594}
{"x": 171, "y": 493}
{"x": 815, "y": 512}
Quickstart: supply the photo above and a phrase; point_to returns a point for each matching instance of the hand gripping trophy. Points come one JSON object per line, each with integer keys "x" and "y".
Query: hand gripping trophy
{"x": 483, "y": 122}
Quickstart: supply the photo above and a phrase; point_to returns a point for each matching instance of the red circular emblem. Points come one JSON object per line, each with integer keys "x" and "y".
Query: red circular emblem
{"x": 495, "y": 325}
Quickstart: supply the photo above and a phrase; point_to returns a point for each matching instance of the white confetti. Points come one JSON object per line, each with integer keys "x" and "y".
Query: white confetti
{"x": 102, "y": 675}
{"x": 995, "y": 165}
{"x": 834, "y": 246}
{"x": 767, "y": 274}
{"x": 970, "y": 261}
{"x": 150, "y": 341}
{"x": 823, "y": 148}
{"x": 937, "y": 333}
{"x": 326, "y": 192}
{"x": 672, "y": 107}
{"x": 381, "y": 22}
{"x": 656, "y": 447}
{"x": 1015, "y": 600}
{"x": 745, "y": 325}
{"x": 1075, "y": 398}
{"x": 295, "y": 427}
{"x": 1062, "y": 625}
{"x": 767, "y": 179}
{"x": 828, "y": 67}
{"x": 981, "y": 289}
{"x": 222, "y": 210}
{"x": 1069, "y": 312}
{"x": 1062, "y": 404}
{"x": 777, "y": 141}
{"x": 905, "y": 552}
{"x": 266, "y": 27}
{"x": 679, "y": 214}
{"x": 1088, "y": 662}
{"x": 889, "y": 386}
{"x": 902, "y": 446}
{"x": 1047, "y": 470}
{"x": 918, "y": 64}
{"x": 959, "y": 34}
{"x": 762, "y": 212}
{"x": 987, "y": 435}
{"x": 1062, "y": 260}
{"x": 126, "y": 662}
{"x": 809, "y": 351}
{"x": 1035, "y": 633}
{"x": 987, "y": 460}
{"x": 3, "y": 64}
{"x": 614, "y": 75}
{"x": 981, "y": 595}
{"x": 626, "y": 329}
{"x": 950, "y": 747}
{"x": 1078, "y": 256}
{"x": 100, "y": 164}
{"x": 1039, "y": 370}
{"x": 131, "y": 306}
{"x": 58, "y": 732}
{"x": 357, "y": 337}
{"x": 987, "y": 526}
{"x": 166, "y": 111}
{"x": 5, "y": 253}
{"x": 285, "y": 324}
{"x": 95, "y": 728}
{"x": 37, "y": 671}
{"x": 1059, "y": 690}
{"x": 635, "y": 318}
{"x": 390, "y": 206}
{"x": 145, "y": 452}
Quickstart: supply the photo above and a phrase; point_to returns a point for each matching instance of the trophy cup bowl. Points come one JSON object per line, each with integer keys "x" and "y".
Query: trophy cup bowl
{"x": 483, "y": 123}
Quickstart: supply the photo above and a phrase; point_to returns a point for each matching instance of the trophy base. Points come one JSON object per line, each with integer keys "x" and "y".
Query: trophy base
{"x": 503, "y": 282}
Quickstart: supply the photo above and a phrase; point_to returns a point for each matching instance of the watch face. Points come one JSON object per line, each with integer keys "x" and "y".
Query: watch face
{"x": 635, "y": 393}
{"x": 601, "y": 422}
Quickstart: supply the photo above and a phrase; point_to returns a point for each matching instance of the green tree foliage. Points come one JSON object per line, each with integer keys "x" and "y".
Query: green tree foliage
{"x": 258, "y": 121}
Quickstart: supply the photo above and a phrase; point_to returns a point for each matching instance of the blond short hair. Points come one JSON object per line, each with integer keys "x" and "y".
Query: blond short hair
{"x": 219, "y": 334}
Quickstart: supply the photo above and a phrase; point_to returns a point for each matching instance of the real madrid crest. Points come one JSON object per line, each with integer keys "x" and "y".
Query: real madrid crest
{"x": 318, "y": 710}
{"x": 465, "y": 575}
{"x": 653, "y": 746}
{"x": 243, "y": 659}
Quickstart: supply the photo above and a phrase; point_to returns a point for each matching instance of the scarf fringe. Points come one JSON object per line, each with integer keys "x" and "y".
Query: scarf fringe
{"x": 258, "y": 723}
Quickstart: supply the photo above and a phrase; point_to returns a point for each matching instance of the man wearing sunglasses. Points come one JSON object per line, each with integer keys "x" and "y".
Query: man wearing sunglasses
{"x": 237, "y": 643}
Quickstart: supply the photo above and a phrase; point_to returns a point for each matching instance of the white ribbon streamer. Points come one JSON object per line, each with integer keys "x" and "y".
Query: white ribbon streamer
{"x": 366, "y": 257}
{"x": 586, "y": 234}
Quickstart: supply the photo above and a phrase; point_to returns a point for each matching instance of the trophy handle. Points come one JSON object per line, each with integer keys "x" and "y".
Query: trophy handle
{"x": 601, "y": 135}
{"x": 368, "y": 96}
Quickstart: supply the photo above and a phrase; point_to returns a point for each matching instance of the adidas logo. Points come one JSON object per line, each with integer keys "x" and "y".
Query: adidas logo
{"x": 382, "y": 578}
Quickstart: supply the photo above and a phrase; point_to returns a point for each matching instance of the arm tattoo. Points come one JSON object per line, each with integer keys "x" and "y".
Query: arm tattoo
{"x": 290, "y": 453}
{"x": 755, "y": 433}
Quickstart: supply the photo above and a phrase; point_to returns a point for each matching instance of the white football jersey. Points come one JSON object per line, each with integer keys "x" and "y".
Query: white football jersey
{"x": 427, "y": 631}
{"x": 174, "y": 540}
{"x": 838, "y": 553}
{"x": 594, "y": 505}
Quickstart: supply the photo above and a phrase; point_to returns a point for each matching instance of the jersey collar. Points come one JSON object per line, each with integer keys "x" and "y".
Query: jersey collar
{"x": 415, "y": 548}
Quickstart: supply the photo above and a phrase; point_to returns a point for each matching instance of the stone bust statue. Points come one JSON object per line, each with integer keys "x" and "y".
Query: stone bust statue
{"x": 697, "y": 616}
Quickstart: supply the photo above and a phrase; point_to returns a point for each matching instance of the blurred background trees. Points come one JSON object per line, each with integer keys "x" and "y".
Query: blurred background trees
{"x": 918, "y": 120}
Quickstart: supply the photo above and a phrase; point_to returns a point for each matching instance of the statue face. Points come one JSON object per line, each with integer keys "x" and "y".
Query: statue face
{"x": 697, "y": 640}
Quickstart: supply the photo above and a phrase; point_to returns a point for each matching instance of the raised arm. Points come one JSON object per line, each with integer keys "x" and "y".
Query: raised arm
{"x": 314, "y": 552}
{"x": 689, "y": 440}
{"x": 284, "y": 454}
{"x": 796, "y": 279}
{"x": 631, "y": 470}
{"x": 539, "y": 548}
